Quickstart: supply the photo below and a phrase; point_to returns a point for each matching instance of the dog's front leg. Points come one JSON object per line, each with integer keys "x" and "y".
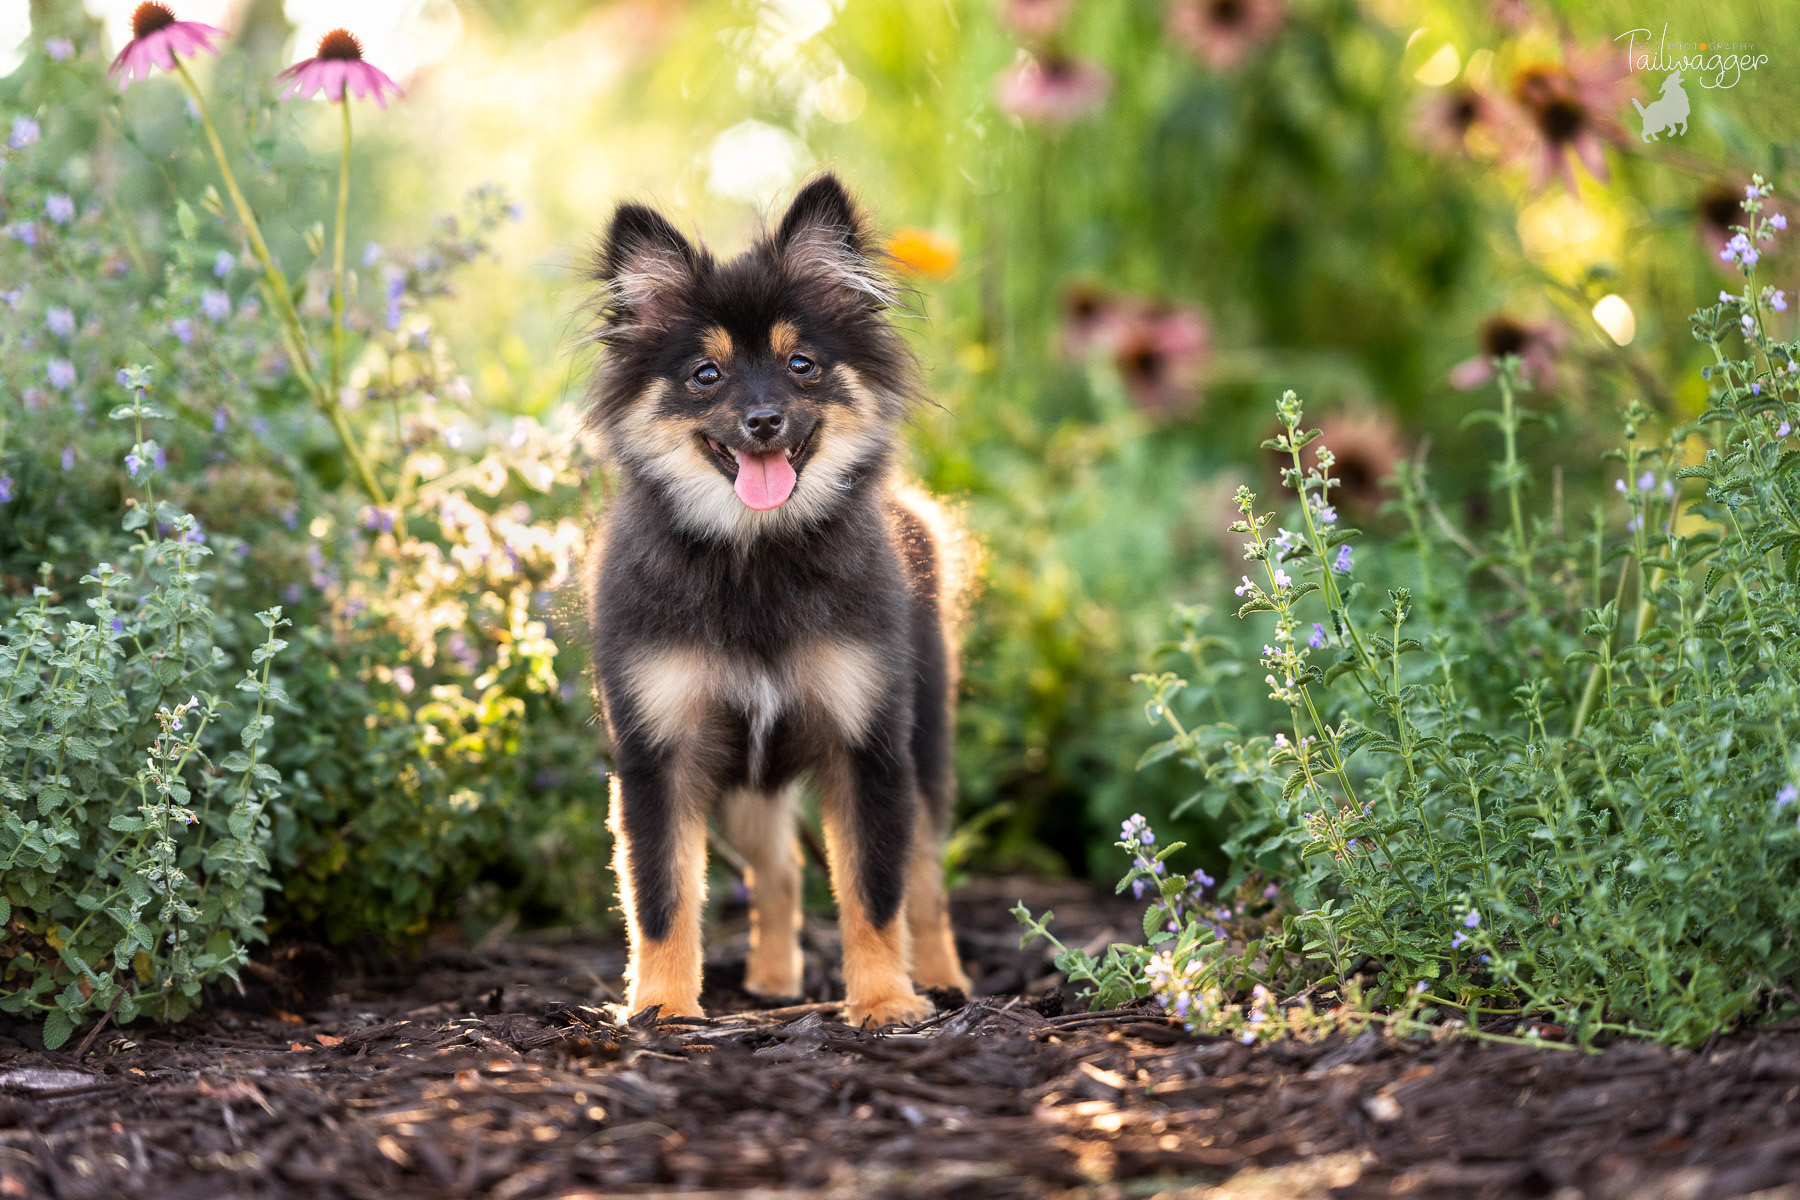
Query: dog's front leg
{"x": 658, "y": 822}
{"x": 869, "y": 806}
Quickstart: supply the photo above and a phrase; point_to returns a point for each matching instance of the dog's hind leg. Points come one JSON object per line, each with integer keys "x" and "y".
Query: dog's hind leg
{"x": 658, "y": 822}
{"x": 761, "y": 827}
{"x": 935, "y": 964}
{"x": 869, "y": 807}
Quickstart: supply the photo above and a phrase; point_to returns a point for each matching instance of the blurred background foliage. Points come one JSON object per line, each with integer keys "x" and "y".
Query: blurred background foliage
{"x": 1129, "y": 223}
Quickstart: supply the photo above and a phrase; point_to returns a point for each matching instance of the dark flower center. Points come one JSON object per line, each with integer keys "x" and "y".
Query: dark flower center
{"x": 1143, "y": 363}
{"x": 1719, "y": 207}
{"x": 340, "y": 45}
{"x": 1503, "y": 336}
{"x": 149, "y": 18}
{"x": 1226, "y": 12}
{"x": 1465, "y": 110}
{"x": 1555, "y": 107}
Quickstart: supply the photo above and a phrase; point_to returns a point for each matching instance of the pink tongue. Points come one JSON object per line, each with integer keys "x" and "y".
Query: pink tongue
{"x": 764, "y": 481}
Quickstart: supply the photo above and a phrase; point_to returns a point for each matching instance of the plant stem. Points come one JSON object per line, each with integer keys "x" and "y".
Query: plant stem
{"x": 337, "y": 255}
{"x": 281, "y": 299}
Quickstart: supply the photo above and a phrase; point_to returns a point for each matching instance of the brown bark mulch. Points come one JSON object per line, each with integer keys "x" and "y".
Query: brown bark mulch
{"x": 499, "y": 1072}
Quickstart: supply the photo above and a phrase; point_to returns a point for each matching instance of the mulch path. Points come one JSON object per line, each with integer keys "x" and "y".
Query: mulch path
{"x": 499, "y": 1071}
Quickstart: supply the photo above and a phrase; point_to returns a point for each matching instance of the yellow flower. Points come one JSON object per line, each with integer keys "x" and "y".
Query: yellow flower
{"x": 922, "y": 252}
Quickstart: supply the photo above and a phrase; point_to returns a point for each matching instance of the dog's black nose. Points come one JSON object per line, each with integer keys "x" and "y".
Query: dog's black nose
{"x": 763, "y": 423}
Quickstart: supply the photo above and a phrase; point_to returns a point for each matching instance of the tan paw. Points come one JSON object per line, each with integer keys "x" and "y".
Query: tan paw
{"x": 774, "y": 987}
{"x": 905, "y": 1009}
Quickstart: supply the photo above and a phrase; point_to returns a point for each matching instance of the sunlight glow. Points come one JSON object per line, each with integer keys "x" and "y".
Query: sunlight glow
{"x": 1440, "y": 68}
{"x": 1615, "y": 316}
{"x": 753, "y": 162}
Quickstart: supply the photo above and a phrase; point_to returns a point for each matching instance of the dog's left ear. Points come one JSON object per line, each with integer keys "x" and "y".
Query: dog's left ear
{"x": 824, "y": 240}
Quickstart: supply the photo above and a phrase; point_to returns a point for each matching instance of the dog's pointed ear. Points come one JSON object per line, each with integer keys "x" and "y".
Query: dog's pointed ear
{"x": 823, "y": 239}
{"x": 648, "y": 269}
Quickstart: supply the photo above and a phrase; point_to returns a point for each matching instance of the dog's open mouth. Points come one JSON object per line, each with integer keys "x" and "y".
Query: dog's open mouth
{"x": 762, "y": 481}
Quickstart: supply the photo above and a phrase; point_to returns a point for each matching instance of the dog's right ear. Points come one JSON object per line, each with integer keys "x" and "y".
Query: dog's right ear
{"x": 648, "y": 269}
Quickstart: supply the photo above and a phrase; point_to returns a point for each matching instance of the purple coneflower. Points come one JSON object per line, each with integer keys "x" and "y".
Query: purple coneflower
{"x": 1566, "y": 108}
{"x": 1089, "y": 315}
{"x": 1367, "y": 448}
{"x": 1502, "y": 335}
{"x": 338, "y": 71}
{"x": 1447, "y": 116}
{"x": 1036, "y": 18}
{"x": 1161, "y": 353}
{"x": 1055, "y": 89}
{"x": 156, "y": 38}
{"x": 1222, "y": 32}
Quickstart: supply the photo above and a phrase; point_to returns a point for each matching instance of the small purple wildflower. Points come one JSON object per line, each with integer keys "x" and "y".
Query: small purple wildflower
{"x": 13, "y": 298}
{"x": 1282, "y": 579}
{"x": 118, "y": 625}
{"x": 1244, "y": 588}
{"x": 24, "y": 133}
{"x": 396, "y": 287}
{"x": 223, "y": 264}
{"x": 183, "y": 329}
{"x": 68, "y": 458}
{"x": 371, "y": 254}
{"x": 1727, "y": 298}
{"x": 60, "y": 321}
{"x": 59, "y": 49}
{"x": 1778, "y": 300}
{"x": 220, "y": 417}
{"x": 216, "y": 305}
{"x": 1646, "y": 481}
{"x": 1783, "y": 429}
{"x": 1739, "y": 250}
{"x": 6, "y": 489}
{"x": 1787, "y": 795}
{"x": 1748, "y": 324}
{"x": 379, "y": 520}
{"x": 1777, "y": 221}
{"x": 23, "y": 231}
{"x": 1317, "y": 640}
{"x": 1472, "y": 920}
{"x": 1456, "y": 942}
{"x": 60, "y": 373}
{"x": 133, "y": 464}
{"x": 1342, "y": 563}
{"x": 59, "y": 208}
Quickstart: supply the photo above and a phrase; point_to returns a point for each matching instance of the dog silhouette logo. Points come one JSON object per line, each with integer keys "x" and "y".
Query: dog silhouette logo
{"x": 1663, "y": 115}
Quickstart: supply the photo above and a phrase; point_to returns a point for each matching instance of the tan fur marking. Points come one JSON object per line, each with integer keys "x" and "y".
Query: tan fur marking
{"x": 717, "y": 344}
{"x": 761, "y": 827}
{"x": 878, "y": 989}
{"x": 664, "y": 972}
{"x": 845, "y": 680}
{"x": 673, "y": 689}
{"x": 935, "y": 964}
{"x": 784, "y": 338}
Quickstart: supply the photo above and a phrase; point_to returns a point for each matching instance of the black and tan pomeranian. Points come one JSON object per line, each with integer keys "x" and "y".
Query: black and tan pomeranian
{"x": 771, "y": 604}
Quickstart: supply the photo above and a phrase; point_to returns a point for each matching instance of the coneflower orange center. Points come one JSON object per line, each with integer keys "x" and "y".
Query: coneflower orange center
{"x": 148, "y": 18}
{"x": 340, "y": 44}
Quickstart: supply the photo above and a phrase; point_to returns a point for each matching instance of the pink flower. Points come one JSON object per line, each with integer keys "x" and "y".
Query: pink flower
{"x": 1536, "y": 345}
{"x": 1563, "y": 109}
{"x": 1161, "y": 353}
{"x": 1055, "y": 89}
{"x": 338, "y": 71}
{"x": 156, "y": 38}
{"x": 1446, "y": 117}
{"x": 1222, "y": 32}
{"x": 1036, "y": 18}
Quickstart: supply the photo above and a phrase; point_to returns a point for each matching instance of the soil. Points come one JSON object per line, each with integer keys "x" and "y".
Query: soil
{"x": 499, "y": 1071}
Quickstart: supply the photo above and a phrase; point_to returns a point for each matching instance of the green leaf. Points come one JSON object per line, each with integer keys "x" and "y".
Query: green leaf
{"x": 57, "y": 1028}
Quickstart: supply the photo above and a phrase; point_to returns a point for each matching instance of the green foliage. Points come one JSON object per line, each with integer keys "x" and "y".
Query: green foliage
{"x": 134, "y": 832}
{"x": 433, "y": 759}
{"x": 1553, "y": 777}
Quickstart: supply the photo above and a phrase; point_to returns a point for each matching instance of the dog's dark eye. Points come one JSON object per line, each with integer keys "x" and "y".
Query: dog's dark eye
{"x": 801, "y": 365}
{"x": 707, "y": 374}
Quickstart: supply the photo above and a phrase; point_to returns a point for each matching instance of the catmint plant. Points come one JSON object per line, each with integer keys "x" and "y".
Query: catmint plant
{"x": 1560, "y": 793}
